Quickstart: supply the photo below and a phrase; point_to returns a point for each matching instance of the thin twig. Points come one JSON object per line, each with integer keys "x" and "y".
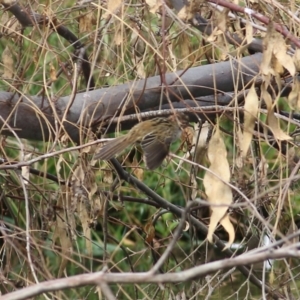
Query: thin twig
{"x": 107, "y": 291}
{"x": 176, "y": 236}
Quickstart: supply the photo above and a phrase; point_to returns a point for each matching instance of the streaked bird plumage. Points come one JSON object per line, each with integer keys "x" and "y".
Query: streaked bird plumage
{"x": 155, "y": 136}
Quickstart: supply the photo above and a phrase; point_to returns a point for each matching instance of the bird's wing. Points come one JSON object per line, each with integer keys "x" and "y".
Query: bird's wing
{"x": 155, "y": 150}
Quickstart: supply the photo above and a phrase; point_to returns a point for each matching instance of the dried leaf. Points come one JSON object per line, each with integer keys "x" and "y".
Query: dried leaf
{"x": 214, "y": 35}
{"x": 216, "y": 188}
{"x": 113, "y": 6}
{"x": 59, "y": 165}
{"x": 280, "y": 52}
{"x": 118, "y": 38}
{"x": 8, "y": 63}
{"x": 86, "y": 22}
{"x": 187, "y": 226}
{"x": 25, "y": 170}
{"x": 296, "y": 59}
{"x": 138, "y": 43}
{"x": 239, "y": 137}
{"x": 202, "y": 143}
{"x": 249, "y": 32}
{"x": 272, "y": 121}
{"x": 154, "y": 5}
{"x": 251, "y": 110}
{"x": 221, "y": 21}
{"x": 172, "y": 56}
{"x": 84, "y": 199}
{"x": 194, "y": 186}
{"x": 275, "y": 55}
{"x": 107, "y": 176}
{"x": 85, "y": 220}
{"x": 183, "y": 14}
{"x": 150, "y": 232}
{"x": 262, "y": 173}
{"x": 52, "y": 73}
{"x": 294, "y": 95}
{"x": 128, "y": 242}
{"x": 9, "y": 26}
{"x": 185, "y": 50}
{"x": 64, "y": 229}
{"x": 268, "y": 43}
{"x": 140, "y": 69}
{"x": 61, "y": 234}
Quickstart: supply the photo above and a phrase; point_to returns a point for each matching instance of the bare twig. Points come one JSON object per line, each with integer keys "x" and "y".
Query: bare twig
{"x": 147, "y": 277}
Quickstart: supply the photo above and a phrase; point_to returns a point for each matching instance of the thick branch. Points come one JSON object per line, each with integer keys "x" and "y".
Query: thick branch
{"x": 147, "y": 277}
{"x": 33, "y": 117}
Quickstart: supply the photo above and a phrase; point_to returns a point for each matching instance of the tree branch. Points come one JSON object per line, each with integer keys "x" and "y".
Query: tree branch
{"x": 147, "y": 277}
{"x": 33, "y": 118}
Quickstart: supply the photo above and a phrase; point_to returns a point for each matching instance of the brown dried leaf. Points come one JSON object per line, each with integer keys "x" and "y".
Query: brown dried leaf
{"x": 154, "y": 5}
{"x": 118, "y": 38}
{"x": 188, "y": 137}
{"x": 188, "y": 11}
{"x": 150, "y": 232}
{"x": 222, "y": 18}
{"x": 194, "y": 186}
{"x": 294, "y": 95}
{"x": 61, "y": 234}
{"x": 184, "y": 14}
{"x": 185, "y": 50}
{"x": 187, "y": 226}
{"x": 272, "y": 121}
{"x": 268, "y": 43}
{"x": 25, "y": 170}
{"x": 107, "y": 176}
{"x": 202, "y": 145}
{"x": 9, "y": 26}
{"x": 275, "y": 55}
{"x": 84, "y": 198}
{"x": 86, "y": 22}
{"x": 138, "y": 43}
{"x": 59, "y": 165}
{"x": 214, "y": 35}
{"x": 216, "y": 188}
{"x": 296, "y": 59}
{"x": 280, "y": 52}
{"x": 251, "y": 110}
{"x": 25, "y": 174}
{"x": 173, "y": 58}
{"x": 226, "y": 223}
{"x": 85, "y": 220}
{"x": 113, "y": 6}
{"x": 239, "y": 137}
{"x": 140, "y": 69}
{"x": 262, "y": 173}
{"x": 249, "y": 32}
{"x": 8, "y": 63}
{"x": 52, "y": 73}
{"x": 65, "y": 226}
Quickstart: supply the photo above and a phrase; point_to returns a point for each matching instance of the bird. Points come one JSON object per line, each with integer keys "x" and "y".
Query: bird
{"x": 155, "y": 137}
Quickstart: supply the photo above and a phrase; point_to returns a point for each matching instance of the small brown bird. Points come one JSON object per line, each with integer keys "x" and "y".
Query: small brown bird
{"x": 155, "y": 136}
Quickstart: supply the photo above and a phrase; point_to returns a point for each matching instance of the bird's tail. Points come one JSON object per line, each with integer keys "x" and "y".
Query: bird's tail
{"x": 113, "y": 147}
